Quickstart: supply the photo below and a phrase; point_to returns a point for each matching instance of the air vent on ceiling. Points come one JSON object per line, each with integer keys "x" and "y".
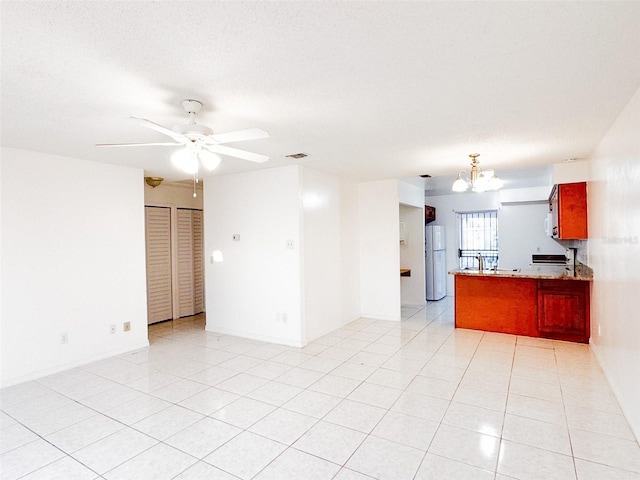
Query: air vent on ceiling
{"x": 297, "y": 156}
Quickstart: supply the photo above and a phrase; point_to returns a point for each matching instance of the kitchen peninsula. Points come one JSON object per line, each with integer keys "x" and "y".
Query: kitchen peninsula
{"x": 535, "y": 303}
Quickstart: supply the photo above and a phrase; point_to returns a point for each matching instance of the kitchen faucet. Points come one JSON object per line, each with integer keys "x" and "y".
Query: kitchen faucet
{"x": 480, "y": 262}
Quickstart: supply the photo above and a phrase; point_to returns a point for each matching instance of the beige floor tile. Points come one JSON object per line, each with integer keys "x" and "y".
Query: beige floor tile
{"x": 331, "y": 442}
{"x": 373, "y": 395}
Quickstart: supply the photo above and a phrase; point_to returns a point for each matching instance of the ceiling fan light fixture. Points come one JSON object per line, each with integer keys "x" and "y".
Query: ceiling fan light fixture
{"x": 193, "y": 130}
{"x": 209, "y": 160}
{"x": 186, "y": 160}
{"x": 198, "y": 144}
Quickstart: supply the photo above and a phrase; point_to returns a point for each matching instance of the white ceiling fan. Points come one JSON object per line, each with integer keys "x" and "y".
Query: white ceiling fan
{"x": 201, "y": 145}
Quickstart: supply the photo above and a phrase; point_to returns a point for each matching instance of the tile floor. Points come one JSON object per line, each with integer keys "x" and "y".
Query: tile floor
{"x": 374, "y": 399}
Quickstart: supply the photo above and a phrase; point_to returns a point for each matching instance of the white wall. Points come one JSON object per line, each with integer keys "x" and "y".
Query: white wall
{"x": 173, "y": 195}
{"x": 379, "y": 250}
{"x": 521, "y": 233}
{"x": 411, "y": 198}
{"x": 614, "y": 243}
{"x": 571, "y": 172}
{"x": 331, "y": 262}
{"x": 73, "y": 260}
{"x": 411, "y": 192}
{"x": 259, "y": 277}
{"x": 413, "y": 288}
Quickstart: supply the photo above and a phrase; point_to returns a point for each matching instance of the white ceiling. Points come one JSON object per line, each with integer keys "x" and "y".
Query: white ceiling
{"x": 370, "y": 90}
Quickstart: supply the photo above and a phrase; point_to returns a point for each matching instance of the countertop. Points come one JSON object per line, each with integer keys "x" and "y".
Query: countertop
{"x": 582, "y": 272}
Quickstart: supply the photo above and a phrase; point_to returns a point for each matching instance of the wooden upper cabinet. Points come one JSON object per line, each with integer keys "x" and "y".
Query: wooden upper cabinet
{"x": 568, "y": 207}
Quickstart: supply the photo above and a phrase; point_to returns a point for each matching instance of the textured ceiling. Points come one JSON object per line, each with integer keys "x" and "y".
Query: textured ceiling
{"x": 370, "y": 90}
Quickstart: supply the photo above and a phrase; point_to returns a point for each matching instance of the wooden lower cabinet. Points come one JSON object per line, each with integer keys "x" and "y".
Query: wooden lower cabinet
{"x": 557, "y": 309}
{"x": 496, "y": 304}
{"x": 563, "y": 310}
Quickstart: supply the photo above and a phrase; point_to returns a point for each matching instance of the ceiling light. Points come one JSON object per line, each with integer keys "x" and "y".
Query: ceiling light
{"x": 153, "y": 182}
{"x": 460, "y": 185}
{"x": 186, "y": 160}
{"x": 480, "y": 180}
{"x": 209, "y": 160}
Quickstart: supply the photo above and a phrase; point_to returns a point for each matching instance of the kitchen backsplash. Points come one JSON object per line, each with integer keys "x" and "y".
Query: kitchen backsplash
{"x": 582, "y": 246}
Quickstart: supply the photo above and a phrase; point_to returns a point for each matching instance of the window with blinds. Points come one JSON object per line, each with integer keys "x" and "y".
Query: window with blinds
{"x": 478, "y": 235}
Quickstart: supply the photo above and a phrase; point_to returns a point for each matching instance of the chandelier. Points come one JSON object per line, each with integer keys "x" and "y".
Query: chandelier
{"x": 479, "y": 180}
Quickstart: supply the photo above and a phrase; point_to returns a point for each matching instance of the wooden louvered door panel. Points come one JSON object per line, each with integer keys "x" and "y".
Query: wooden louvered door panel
{"x": 190, "y": 263}
{"x": 185, "y": 264}
{"x": 198, "y": 261}
{"x": 158, "y": 249}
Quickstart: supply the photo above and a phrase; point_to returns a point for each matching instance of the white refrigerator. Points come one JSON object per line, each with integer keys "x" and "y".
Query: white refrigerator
{"x": 435, "y": 266}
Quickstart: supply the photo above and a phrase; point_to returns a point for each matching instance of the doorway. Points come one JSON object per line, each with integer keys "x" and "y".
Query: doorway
{"x": 175, "y": 266}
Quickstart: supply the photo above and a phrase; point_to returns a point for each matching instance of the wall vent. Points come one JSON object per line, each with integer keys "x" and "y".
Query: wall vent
{"x": 297, "y": 156}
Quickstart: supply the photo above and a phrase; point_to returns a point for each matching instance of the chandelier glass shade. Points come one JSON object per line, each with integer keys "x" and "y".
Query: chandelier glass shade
{"x": 478, "y": 180}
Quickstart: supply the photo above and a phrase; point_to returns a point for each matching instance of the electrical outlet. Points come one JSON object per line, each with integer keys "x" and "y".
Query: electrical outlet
{"x": 284, "y": 317}
{"x": 112, "y": 329}
{"x": 236, "y": 237}
{"x": 290, "y": 244}
{"x": 64, "y": 337}
{"x": 126, "y": 326}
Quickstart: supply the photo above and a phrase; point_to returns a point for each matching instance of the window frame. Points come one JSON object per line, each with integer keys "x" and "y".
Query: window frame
{"x": 467, "y": 257}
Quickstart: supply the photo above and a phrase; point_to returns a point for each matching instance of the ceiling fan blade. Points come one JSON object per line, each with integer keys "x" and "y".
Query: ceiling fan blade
{"x": 164, "y": 144}
{"x": 159, "y": 128}
{"x": 240, "y": 135}
{"x": 235, "y": 152}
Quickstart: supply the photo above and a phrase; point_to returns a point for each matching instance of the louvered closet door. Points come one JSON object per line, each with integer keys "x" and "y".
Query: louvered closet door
{"x": 190, "y": 264}
{"x": 158, "y": 246}
{"x": 198, "y": 261}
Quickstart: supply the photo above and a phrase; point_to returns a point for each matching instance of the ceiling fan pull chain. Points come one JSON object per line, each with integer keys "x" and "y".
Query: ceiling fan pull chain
{"x": 195, "y": 180}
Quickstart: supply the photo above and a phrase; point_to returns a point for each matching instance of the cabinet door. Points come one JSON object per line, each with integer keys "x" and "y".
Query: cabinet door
{"x": 563, "y": 310}
{"x": 568, "y": 206}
